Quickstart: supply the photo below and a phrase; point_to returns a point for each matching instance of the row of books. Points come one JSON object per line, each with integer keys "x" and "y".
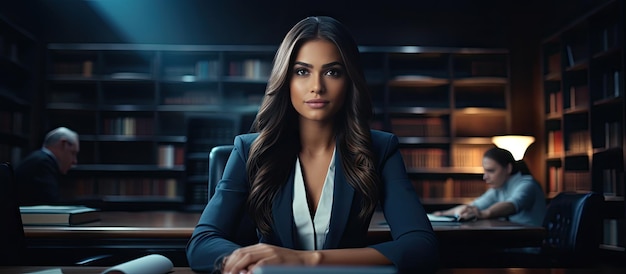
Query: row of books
{"x": 63, "y": 95}
{"x": 449, "y": 188}
{"x": 560, "y": 180}
{"x": 611, "y": 232}
{"x": 610, "y": 36}
{"x": 199, "y": 97}
{"x": 579, "y": 97}
{"x": 576, "y": 53}
{"x": 203, "y": 69}
{"x": 576, "y": 181}
{"x": 424, "y": 157}
{"x": 555, "y": 142}
{"x": 422, "y": 127}
{"x": 132, "y": 186}
{"x": 170, "y": 155}
{"x": 611, "y": 84}
{"x": 238, "y": 96}
{"x": 250, "y": 69}
{"x": 554, "y": 63}
{"x": 613, "y": 182}
{"x": 128, "y": 126}
{"x": 555, "y": 179}
{"x": 555, "y": 103}
{"x": 462, "y": 156}
{"x": 468, "y": 155}
{"x": 78, "y": 68}
{"x": 579, "y": 141}
{"x": 613, "y": 136}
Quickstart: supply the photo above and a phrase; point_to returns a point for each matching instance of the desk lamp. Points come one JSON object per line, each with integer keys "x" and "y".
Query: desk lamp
{"x": 517, "y": 145}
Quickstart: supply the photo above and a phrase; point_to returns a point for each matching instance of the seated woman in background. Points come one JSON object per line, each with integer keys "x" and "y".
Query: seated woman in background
{"x": 314, "y": 172}
{"x": 511, "y": 195}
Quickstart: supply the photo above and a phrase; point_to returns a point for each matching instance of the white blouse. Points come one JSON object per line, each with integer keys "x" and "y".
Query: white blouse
{"x": 312, "y": 233}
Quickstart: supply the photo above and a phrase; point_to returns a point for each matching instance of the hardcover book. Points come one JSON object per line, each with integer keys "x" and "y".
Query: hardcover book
{"x": 58, "y": 215}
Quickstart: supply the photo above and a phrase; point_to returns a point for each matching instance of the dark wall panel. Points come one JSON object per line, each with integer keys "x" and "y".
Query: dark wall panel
{"x": 446, "y": 22}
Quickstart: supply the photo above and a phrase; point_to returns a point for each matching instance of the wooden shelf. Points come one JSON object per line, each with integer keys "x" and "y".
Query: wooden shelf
{"x": 163, "y": 90}
{"x": 480, "y": 81}
{"x": 18, "y": 85}
{"x": 417, "y": 81}
{"x": 125, "y": 168}
{"x": 593, "y": 119}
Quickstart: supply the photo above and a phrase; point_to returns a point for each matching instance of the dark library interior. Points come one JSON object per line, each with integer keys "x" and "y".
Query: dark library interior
{"x": 152, "y": 86}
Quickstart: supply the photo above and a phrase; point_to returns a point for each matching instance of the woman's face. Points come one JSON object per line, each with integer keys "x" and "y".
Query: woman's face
{"x": 318, "y": 81}
{"x": 495, "y": 175}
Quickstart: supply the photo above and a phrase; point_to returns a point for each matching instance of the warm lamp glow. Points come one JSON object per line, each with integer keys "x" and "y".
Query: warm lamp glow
{"x": 516, "y": 144}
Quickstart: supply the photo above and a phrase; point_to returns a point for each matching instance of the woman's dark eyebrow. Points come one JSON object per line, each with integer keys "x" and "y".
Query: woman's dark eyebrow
{"x": 323, "y": 66}
{"x": 332, "y": 64}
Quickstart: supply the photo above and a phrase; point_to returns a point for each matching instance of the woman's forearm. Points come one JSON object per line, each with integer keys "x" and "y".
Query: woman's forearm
{"x": 497, "y": 210}
{"x": 348, "y": 256}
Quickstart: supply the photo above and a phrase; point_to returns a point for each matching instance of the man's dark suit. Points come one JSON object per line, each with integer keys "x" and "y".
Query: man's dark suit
{"x": 37, "y": 178}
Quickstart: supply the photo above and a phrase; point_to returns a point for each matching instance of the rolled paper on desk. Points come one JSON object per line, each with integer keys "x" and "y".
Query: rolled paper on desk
{"x": 149, "y": 264}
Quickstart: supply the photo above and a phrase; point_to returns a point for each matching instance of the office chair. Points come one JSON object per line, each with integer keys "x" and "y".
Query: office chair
{"x": 218, "y": 156}
{"x": 12, "y": 240}
{"x": 573, "y": 224}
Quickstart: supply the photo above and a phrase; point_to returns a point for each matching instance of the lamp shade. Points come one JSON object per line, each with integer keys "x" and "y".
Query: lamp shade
{"x": 516, "y": 144}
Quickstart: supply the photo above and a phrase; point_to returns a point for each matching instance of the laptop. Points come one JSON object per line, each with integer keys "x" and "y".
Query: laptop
{"x": 442, "y": 218}
{"x": 284, "y": 269}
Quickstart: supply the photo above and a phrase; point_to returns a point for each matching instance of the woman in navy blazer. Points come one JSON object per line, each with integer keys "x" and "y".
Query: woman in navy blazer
{"x": 313, "y": 173}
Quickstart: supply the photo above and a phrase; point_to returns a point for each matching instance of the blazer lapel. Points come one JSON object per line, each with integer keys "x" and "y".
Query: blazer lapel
{"x": 282, "y": 213}
{"x": 342, "y": 203}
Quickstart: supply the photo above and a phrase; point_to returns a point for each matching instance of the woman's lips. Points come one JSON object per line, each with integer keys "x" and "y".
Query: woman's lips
{"x": 316, "y": 103}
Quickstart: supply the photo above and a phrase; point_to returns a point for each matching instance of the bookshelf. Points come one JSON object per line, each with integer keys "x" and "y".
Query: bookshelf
{"x": 203, "y": 133}
{"x": 583, "y": 84}
{"x": 18, "y": 71}
{"x": 445, "y": 104}
{"x": 148, "y": 115}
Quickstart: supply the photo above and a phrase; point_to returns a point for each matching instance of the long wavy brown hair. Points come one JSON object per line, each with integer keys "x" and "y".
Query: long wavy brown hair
{"x": 274, "y": 152}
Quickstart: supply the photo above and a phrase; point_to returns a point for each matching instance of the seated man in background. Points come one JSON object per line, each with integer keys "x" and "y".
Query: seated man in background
{"x": 512, "y": 194}
{"x": 37, "y": 175}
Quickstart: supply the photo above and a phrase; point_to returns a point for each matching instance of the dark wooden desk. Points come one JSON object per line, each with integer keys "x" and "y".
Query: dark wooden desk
{"x": 186, "y": 270}
{"x": 484, "y": 233}
{"x": 167, "y": 232}
{"x": 180, "y": 225}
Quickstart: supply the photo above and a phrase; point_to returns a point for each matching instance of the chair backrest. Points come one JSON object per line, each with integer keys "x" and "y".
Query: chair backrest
{"x": 218, "y": 156}
{"x": 573, "y": 224}
{"x": 11, "y": 230}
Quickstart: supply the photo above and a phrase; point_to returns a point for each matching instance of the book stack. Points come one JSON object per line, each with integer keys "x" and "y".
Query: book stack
{"x": 58, "y": 215}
